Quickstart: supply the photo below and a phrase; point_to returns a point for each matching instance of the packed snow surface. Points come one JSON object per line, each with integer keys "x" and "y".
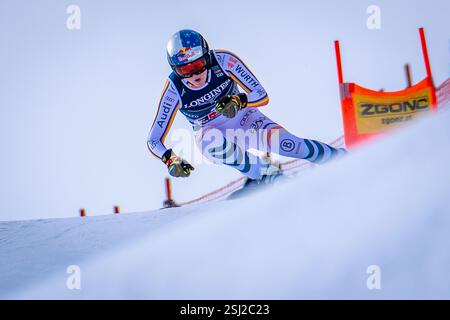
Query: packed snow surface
{"x": 315, "y": 236}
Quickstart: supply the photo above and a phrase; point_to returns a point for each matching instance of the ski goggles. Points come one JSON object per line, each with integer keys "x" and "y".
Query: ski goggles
{"x": 195, "y": 67}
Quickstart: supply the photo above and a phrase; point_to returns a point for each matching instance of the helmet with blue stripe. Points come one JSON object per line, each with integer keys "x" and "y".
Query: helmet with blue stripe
{"x": 186, "y": 46}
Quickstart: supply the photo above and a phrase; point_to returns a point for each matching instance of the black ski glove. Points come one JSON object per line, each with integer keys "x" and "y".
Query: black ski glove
{"x": 176, "y": 165}
{"x": 229, "y": 105}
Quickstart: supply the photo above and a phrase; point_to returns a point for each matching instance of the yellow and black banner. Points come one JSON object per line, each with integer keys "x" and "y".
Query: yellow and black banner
{"x": 367, "y": 113}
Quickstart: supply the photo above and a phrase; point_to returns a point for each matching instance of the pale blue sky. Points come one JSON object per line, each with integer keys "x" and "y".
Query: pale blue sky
{"x": 76, "y": 106}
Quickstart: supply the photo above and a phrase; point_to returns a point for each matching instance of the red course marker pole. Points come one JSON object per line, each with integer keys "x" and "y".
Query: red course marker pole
{"x": 425, "y": 52}
{"x": 337, "y": 49}
{"x": 168, "y": 190}
{"x": 408, "y": 76}
{"x": 428, "y": 67}
{"x": 169, "y": 203}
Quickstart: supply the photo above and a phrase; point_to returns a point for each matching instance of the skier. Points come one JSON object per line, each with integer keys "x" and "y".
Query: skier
{"x": 204, "y": 87}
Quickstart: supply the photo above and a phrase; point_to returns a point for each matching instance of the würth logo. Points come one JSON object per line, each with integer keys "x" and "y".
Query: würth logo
{"x": 246, "y": 76}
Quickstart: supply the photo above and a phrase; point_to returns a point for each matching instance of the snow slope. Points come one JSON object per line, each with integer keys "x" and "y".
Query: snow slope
{"x": 386, "y": 204}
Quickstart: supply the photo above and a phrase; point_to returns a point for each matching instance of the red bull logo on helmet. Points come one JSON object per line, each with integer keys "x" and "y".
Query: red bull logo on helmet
{"x": 185, "y": 54}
